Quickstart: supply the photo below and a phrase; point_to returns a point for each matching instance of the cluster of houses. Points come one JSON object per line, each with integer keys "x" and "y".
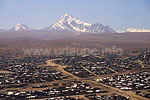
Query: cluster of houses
{"x": 27, "y": 70}
{"x": 107, "y": 97}
{"x": 73, "y": 67}
{"x": 143, "y": 94}
{"x": 76, "y": 88}
{"x": 22, "y": 97}
{"x": 131, "y": 81}
{"x": 21, "y": 72}
{"x": 64, "y": 98}
{"x": 99, "y": 66}
{"x": 144, "y": 56}
{"x": 77, "y": 66}
{"x": 96, "y": 68}
{"x": 30, "y": 74}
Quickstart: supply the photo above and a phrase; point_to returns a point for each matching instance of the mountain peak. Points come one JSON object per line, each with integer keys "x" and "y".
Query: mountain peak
{"x": 20, "y": 27}
{"x": 65, "y": 18}
{"x": 18, "y": 24}
{"x": 66, "y": 15}
{"x": 69, "y": 23}
{"x": 137, "y": 30}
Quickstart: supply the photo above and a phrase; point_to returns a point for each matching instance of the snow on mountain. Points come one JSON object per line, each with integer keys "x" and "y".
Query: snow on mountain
{"x": 70, "y": 23}
{"x": 20, "y": 27}
{"x": 137, "y": 30}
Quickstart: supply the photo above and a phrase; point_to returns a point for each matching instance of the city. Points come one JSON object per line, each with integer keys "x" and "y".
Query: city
{"x": 74, "y": 49}
{"x": 76, "y": 77}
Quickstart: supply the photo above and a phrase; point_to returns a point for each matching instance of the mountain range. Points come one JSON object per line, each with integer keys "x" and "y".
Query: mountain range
{"x": 69, "y": 23}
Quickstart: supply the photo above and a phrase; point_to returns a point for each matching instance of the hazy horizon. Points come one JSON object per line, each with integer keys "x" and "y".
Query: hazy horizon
{"x": 118, "y": 14}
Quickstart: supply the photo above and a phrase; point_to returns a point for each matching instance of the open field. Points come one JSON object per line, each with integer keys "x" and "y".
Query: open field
{"x": 128, "y": 42}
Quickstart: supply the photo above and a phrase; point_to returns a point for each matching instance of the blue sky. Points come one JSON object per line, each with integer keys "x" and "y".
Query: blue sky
{"x": 119, "y": 14}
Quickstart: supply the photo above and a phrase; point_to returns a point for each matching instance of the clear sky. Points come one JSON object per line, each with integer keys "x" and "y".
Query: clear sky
{"x": 119, "y": 14}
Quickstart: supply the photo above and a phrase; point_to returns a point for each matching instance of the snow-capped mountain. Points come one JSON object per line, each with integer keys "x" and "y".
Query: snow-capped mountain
{"x": 137, "y": 30}
{"x": 70, "y": 23}
{"x": 20, "y": 27}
